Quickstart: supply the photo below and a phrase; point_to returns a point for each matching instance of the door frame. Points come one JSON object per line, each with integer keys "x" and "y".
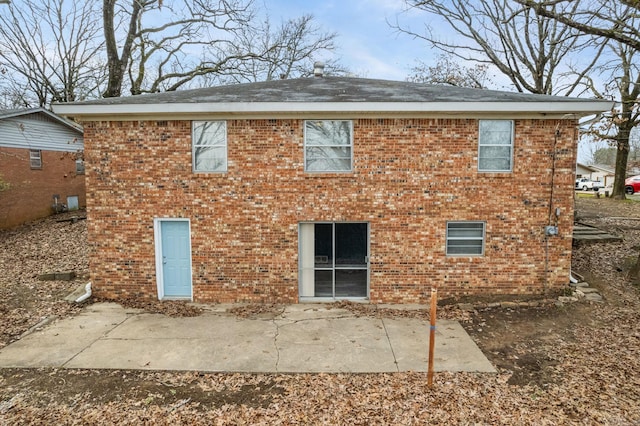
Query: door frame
{"x": 333, "y": 298}
{"x": 157, "y": 232}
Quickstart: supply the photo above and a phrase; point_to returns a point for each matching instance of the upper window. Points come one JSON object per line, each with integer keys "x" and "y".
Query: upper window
{"x": 209, "y": 145}
{"x": 79, "y": 166}
{"x": 35, "y": 158}
{"x": 495, "y": 146}
{"x": 328, "y": 145}
{"x": 465, "y": 238}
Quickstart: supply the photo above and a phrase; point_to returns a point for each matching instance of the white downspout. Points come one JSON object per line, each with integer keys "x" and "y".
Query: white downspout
{"x": 571, "y": 279}
{"x": 86, "y": 295}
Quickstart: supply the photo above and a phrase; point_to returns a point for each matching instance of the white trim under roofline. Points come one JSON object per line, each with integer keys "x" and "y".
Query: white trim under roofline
{"x": 557, "y": 109}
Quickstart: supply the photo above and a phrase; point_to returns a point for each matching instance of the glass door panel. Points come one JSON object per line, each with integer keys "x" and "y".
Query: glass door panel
{"x": 334, "y": 260}
{"x": 323, "y": 281}
{"x": 351, "y": 283}
{"x": 351, "y": 244}
{"x": 323, "y": 245}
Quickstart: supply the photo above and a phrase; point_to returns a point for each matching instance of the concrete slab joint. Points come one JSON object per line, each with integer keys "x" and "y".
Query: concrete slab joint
{"x": 275, "y": 344}
{"x": 395, "y": 360}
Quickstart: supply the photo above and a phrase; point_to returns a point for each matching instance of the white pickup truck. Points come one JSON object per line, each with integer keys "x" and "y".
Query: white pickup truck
{"x": 588, "y": 185}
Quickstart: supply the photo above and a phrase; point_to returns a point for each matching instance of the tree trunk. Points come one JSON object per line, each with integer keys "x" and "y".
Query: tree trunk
{"x": 117, "y": 63}
{"x": 622, "y": 156}
{"x": 115, "y": 73}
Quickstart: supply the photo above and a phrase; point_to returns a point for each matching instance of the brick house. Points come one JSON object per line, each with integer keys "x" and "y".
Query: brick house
{"x": 40, "y": 165}
{"x": 327, "y": 188}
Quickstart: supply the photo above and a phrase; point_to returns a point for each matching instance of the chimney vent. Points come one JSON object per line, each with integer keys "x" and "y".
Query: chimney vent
{"x": 318, "y": 69}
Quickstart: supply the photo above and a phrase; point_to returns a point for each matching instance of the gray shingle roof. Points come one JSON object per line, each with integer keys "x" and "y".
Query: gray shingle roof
{"x": 330, "y": 89}
{"x": 326, "y": 97}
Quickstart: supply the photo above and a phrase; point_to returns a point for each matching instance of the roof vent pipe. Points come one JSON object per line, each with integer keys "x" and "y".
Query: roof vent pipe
{"x": 318, "y": 69}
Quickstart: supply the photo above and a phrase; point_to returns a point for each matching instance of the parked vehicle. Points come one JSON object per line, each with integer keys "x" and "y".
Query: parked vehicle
{"x": 632, "y": 185}
{"x": 588, "y": 185}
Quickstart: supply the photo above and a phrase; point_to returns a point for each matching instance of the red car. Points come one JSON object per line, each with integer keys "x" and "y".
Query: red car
{"x": 632, "y": 185}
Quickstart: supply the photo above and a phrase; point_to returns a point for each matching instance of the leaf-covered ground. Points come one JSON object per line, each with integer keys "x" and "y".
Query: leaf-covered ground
{"x": 572, "y": 364}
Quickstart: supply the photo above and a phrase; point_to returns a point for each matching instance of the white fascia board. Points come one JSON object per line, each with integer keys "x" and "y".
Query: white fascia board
{"x": 275, "y": 109}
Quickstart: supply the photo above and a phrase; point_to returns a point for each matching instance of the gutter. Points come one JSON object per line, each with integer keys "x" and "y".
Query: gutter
{"x": 89, "y": 112}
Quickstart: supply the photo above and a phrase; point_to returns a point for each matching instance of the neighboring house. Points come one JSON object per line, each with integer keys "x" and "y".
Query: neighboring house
{"x": 602, "y": 173}
{"x": 595, "y": 173}
{"x": 329, "y": 188}
{"x": 41, "y": 165}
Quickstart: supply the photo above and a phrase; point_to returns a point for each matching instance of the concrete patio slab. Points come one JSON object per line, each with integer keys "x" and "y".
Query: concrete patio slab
{"x": 357, "y": 345}
{"x": 56, "y": 344}
{"x": 299, "y": 338}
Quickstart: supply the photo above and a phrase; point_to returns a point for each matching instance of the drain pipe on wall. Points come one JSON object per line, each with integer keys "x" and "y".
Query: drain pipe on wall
{"x": 571, "y": 278}
{"x": 86, "y": 295}
{"x": 551, "y": 230}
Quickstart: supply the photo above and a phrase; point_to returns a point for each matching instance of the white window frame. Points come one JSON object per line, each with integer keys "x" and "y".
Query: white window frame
{"x": 481, "y": 145}
{"x": 79, "y": 166}
{"x": 195, "y": 146}
{"x": 35, "y": 159}
{"x": 481, "y": 239}
{"x": 350, "y": 147}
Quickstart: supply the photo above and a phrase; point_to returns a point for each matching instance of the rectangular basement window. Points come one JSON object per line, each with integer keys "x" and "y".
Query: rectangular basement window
{"x": 465, "y": 238}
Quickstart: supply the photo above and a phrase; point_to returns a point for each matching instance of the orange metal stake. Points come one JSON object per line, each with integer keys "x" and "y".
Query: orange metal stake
{"x": 432, "y": 334}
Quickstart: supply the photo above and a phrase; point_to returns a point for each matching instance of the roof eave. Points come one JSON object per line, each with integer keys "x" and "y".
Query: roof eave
{"x": 40, "y": 110}
{"x": 569, "y": 109}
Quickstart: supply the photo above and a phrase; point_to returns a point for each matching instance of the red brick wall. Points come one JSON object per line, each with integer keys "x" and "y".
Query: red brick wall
{"x": 410, "y": 177}
{"x": 30, "y": 192}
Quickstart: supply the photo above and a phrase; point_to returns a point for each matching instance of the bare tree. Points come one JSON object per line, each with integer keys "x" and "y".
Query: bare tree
{"x": 616, "y": 22}
{"x": 536, "y": 53}
{"x": 613, "y": 20}
{"x": 286, "y": 51}
{"x": 59, "y": 50}
{"x": 49, "y": 51}
{"x": 166, "y": 45}
{"x": 187, "y": 44}
{"x": 118, "y": 61}
{"x": 622, "y": 73}
{"x": 449, "y": 72}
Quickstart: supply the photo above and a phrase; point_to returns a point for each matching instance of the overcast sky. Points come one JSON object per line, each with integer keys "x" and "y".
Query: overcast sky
{"x": 369, "y": 47}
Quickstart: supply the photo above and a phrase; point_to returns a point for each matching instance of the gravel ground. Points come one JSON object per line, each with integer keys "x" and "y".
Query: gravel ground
{"x": 573, "y": 364}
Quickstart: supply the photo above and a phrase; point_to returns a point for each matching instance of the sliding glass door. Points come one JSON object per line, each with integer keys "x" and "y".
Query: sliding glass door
{"x": 334, "y": 260}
